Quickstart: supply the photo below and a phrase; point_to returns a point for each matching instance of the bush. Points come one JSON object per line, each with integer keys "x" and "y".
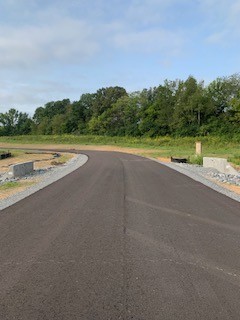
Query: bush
{"x": 196, "y": 159}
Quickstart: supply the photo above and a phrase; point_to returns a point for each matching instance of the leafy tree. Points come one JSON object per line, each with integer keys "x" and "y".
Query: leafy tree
{"x": 39, "y": 114}
{"x": 58, "y": 124}
{"x": 51, "y": 109}
{"x": 24, "y": 124}
{"x": 120, "y": 120}
{"x": 14, "y": 122}
{"x": 96, "y": 126}
{"x": 156, "y": 117}
{"x": 222, "y": 91}
{"x": 45, "y": 126}
{"x": 86, "y": 106}
{"x": 56, "y": 107}
{"x": 105, "y": 98}
{"x": 190, "y": 108}
{"x": 9, "y": 121}
{"x": 179, "y": 107}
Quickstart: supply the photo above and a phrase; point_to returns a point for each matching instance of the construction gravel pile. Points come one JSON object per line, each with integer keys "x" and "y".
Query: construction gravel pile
{"x": 225, "y": 178}
{"x": 47, "y": 177}
{"x": 36, "y": 174}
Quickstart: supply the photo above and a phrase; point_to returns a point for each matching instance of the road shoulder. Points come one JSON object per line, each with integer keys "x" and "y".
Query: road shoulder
{"x": 50, "y": 177}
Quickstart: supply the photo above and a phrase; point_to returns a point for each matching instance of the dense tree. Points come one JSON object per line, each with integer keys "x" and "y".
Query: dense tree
{"x": 50, "y": 110}
{"x": 58, "y": 124}
{"x": 222, "y": 91}
{"x": 120, "y": 120}
{"x": 14, "y": 122}
{"x": 192, "y": 109}
{"x": 177, "y": 108}
{"x": 224, "y": 94}
{"x": 81, "y": 112}
{"x": 105, "y": 98}
{"x": 235, "y": 110}
{"x": 157, "y": 113}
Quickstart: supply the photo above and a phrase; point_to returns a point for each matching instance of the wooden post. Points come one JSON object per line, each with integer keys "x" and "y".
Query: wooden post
{"x": 198, "y": 148}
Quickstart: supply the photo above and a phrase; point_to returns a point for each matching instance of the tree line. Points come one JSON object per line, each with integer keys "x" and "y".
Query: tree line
{"x": 176, "y": 108}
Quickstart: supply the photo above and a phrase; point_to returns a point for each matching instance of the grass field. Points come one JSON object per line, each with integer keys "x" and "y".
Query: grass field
{"x": 152, "y": 147}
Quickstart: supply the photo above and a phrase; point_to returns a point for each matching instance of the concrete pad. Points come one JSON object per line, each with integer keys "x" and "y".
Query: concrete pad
{"x": 220, "y": 164}
{"x": 21, "y": 169}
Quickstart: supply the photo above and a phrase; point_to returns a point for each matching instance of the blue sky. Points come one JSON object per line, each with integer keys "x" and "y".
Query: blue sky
{"x": 56, "y": 49}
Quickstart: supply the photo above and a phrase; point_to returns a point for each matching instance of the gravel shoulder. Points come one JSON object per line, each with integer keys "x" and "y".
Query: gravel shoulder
{"x": 45, "y": 178}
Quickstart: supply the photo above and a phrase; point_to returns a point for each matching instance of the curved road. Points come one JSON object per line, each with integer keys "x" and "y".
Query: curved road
{"x": 123, "y": 237}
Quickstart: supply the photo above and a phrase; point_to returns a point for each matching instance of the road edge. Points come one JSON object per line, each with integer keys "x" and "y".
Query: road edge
{"x": 195, "y": 176}
{"x": 56, "y": 175}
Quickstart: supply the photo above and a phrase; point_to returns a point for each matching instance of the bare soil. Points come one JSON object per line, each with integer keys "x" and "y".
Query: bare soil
{"x": 78, "y": 147}
{"x": 41, "y": 161}
{"x": 11, "y": 191}
{"x": 233, "y": 188}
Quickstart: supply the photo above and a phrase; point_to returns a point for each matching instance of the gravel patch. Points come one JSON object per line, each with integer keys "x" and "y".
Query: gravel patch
{"x": 47, "y": 177}
{"x": 207, "y": 176}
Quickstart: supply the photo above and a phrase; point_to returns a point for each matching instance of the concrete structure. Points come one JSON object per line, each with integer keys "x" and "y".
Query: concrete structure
{"x": 220, "y": 164}
{"x": 21, "y": 169}
{"x": 198, "y": 148}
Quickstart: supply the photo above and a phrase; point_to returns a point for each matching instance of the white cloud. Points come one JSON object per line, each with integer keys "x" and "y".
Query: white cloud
{"x": 62, "y": 39}
{"x": 222, "y": 20}
{"x": 54, "y": 37}
{"x": 27, "y": 97}
{"x": 148, "y": 12}
{"x": 150, "y": 41}
{"x": 65, "y": 40}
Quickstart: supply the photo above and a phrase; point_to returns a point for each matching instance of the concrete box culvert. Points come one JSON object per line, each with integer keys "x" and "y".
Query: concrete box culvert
{"x": 21, "y": 169}
{"x": 220, "y": 164}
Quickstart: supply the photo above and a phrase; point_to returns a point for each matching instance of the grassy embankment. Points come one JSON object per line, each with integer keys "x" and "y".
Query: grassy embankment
{"x": 152, "y": 147}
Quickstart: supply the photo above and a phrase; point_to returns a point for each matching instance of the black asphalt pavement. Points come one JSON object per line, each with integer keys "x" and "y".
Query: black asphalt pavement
{"x": 122, "y": 237}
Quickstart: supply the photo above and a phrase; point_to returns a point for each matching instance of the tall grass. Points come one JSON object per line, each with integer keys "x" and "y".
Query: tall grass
{"x": 161, "y": 146}
{"x": 126, "y": 141}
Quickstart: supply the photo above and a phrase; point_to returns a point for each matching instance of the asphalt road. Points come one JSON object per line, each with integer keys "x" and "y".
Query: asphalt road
{"x": 121, "y": 238}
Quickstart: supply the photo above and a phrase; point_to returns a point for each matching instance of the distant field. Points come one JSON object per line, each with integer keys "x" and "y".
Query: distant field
{"x": 153, "y": 147}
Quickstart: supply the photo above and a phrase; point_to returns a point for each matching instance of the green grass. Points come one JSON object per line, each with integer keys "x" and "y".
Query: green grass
{"x": 196, "y": 159}
{"x": 14, "y": 153}
{"x": 62, "y": 159}
{"x": 9, "y": 185}
{"x": 235, "y": 159}
{"x": 153, "y": 147}
{"x": 14, "y": 184}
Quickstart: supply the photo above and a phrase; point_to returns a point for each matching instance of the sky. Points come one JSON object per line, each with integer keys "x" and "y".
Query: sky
{"x": 56, "y": 49}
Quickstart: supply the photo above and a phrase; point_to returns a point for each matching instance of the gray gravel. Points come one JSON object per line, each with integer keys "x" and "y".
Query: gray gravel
{"x": 208, "y": 177}
{"x": 47, "y": 176}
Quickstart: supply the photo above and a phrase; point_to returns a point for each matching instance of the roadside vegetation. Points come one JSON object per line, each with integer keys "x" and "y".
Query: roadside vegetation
{"x": 162, "y": 121}
{"x": 228, "y": 148}
{"x": 15, "y": 184}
